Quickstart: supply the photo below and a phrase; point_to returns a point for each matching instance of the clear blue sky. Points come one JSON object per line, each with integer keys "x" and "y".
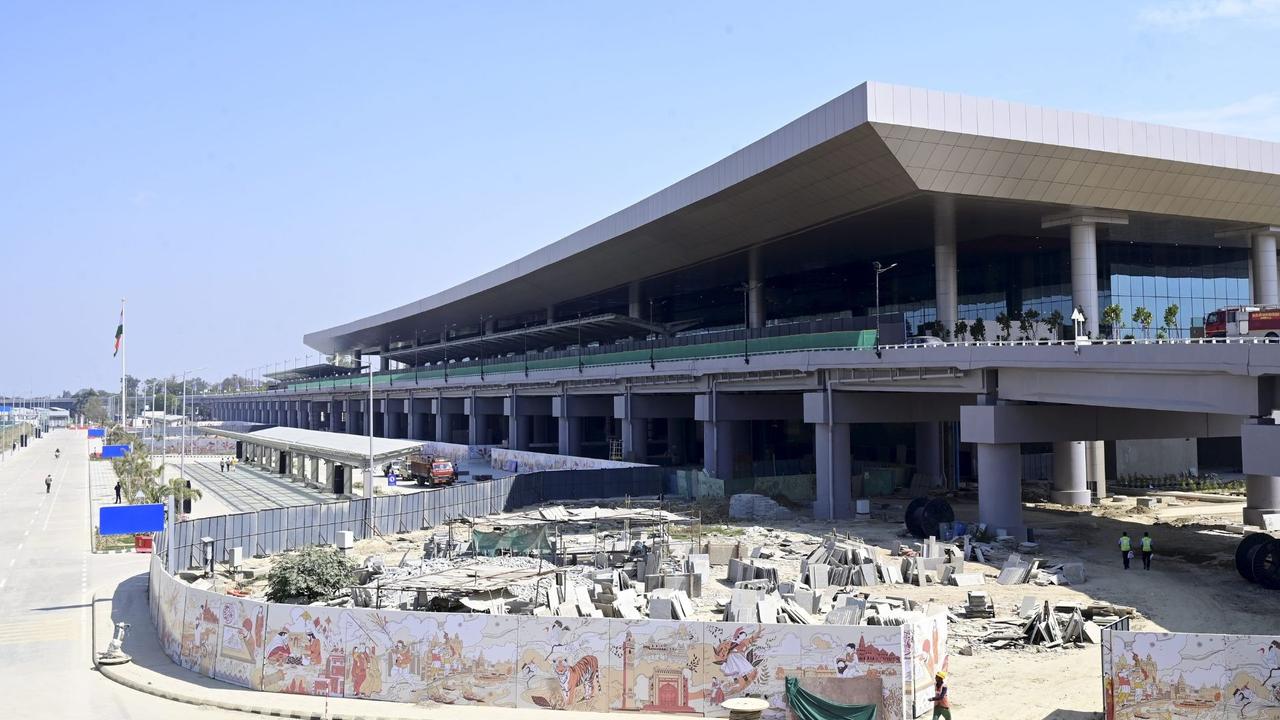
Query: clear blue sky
{"x": 247, "y": 172}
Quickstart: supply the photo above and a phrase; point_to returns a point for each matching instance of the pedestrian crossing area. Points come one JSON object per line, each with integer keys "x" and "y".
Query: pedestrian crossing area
{"x": 39, "y": 630}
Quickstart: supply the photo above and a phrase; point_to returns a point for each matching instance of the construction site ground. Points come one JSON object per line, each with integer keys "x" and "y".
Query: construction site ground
{"x": 1193, "y": 586}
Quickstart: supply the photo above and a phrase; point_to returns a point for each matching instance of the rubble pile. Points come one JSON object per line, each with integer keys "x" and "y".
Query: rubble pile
{"x": 1037, "y": 623}
{"x": 749, "y": 506}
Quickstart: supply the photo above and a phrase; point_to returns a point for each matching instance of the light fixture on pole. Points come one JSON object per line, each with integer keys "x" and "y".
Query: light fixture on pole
{"x": 880, "y": 270}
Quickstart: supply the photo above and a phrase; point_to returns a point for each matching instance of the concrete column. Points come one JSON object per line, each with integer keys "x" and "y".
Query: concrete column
{"x": 1000, "y": 486}
{"x": 328, "y": 479}
{"x": 1263, "y": 266}
{"x": 718, "y": 448}
{"x": 335, "y": 416}
{"x": 410, "y": 419}
{"x": 570, "y": 437}
{"x": 315, "y": 471}
{"x": 1262, "y": 496}
{"x": 634, "y": 439}
{"x": 1084, "y": 257}
{"x": 944, "y": 261}
{"x": 355, "y": 418}
{"x": 1070, "y": 473}
{"x": 442, "y": 427}
{"x": 929, "y": 451}
{"x": 1097, "y": 452}
{"x": 520, "y": 431}
{"x": 832, "y": 455}
{"x": 755, "y": 289}
{"x": 1084, "y": 273}
{"x": 634, "y": 301}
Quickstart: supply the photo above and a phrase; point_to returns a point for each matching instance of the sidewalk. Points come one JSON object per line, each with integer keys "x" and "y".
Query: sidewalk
{"x": 153, "y": 673}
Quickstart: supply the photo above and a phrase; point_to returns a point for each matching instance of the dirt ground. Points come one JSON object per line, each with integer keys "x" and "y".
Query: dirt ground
{"x": 1192, "y": 587}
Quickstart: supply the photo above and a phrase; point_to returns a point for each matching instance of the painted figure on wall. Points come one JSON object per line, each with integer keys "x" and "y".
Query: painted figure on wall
{"x": 739, "y": 660}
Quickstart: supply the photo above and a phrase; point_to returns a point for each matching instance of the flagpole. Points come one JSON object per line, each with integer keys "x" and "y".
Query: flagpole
{"x": 124, "y": 402}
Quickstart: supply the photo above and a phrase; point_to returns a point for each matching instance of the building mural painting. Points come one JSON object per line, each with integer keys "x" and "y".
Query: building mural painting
{"x": 1190, "y": 675}
{"x": 596, "y": 664}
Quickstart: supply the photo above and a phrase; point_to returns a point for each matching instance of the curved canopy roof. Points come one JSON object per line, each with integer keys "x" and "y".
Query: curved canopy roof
{"x": 868, "y": 147}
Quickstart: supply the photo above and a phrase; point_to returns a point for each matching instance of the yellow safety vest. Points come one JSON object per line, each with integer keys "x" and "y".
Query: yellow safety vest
{"x": 1146, "y": 544}
{"x": 1124, "y": 544}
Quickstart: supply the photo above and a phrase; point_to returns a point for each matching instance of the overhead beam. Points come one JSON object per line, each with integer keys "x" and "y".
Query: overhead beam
{"x": 999, "y": 424}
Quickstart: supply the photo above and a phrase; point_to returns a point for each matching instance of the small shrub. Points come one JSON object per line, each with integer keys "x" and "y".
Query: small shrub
{"x": 313, "y": 574}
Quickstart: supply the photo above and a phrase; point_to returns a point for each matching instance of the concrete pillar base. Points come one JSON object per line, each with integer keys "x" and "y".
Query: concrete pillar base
{"x": 1071, "y": 497}
{"x": 1263, "y": 498}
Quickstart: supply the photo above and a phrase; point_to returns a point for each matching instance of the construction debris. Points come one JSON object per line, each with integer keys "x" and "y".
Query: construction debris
{"x": 749, "y": 506}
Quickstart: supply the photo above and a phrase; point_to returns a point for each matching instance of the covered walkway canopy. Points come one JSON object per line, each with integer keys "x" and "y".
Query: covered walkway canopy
{"x": 336, "y": 447}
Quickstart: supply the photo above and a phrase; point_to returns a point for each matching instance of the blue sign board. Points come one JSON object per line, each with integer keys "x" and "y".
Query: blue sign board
{"x": 114, "y": 451}
{"x": 123, "y": 519}
{"x": 97, "y": 432}
{"x": 391, "y": 479}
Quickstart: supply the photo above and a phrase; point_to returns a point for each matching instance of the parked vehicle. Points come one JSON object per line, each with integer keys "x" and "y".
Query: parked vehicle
{"x": 432, "y": 470}
{"x": 924, "y": 340}
{"x": 1243, "y": 321}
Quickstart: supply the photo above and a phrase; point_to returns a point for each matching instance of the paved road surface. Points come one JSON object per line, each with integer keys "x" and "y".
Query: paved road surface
{"x": 47, "y": 576}
{"x": 246, "y": 488}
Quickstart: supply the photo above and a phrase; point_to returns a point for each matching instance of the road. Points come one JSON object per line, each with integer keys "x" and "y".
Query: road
{"x": 47, "y": 578}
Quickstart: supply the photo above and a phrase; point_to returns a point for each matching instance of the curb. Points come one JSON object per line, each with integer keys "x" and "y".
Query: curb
{"x": 111, "y": 672}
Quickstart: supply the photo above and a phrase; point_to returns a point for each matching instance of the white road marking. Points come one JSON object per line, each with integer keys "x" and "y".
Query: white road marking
{"x": 11, "y": 562}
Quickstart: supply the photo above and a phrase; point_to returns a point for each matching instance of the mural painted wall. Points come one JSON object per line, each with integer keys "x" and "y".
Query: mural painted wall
{"x": 1190, "y": 675}
{"x": 925, "y": 646}
{"x": 595, "y": 664}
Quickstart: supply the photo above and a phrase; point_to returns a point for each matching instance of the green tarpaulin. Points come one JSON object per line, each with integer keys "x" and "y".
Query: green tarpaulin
{"x": 519, "y": 540}
{"x": 808, "y": 706}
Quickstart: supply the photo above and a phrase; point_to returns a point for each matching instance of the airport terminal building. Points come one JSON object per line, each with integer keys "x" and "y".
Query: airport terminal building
{"x": 755, "y": 319}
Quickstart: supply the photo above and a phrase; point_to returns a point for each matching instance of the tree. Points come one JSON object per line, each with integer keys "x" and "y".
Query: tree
{"x": 313, "y": 574}
{"x": 1113, "y": 315}
{"x": 1004, "y": 322}
{"x": 1171, "y": 318}
{"x": 1028, "y": 323}
{"x": 979, "y": 330}
{"x": 962, "y": 327}
{"x": 1142, "y": 318}
{"x": 1054, "y": 321}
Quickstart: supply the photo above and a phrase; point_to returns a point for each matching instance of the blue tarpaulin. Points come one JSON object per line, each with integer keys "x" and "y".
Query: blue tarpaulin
{"x": 123, "y": 519}
{"x": 97, "y": 432}
{"x": 114, "y": 451}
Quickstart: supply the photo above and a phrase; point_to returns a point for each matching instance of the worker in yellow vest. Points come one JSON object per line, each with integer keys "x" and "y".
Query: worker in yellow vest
{"x": 1126, "y": 548}
{"x": 1145, "y": 545}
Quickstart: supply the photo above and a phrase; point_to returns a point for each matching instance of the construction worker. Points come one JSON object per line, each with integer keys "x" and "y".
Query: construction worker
{"x": 1146, "y": 550}
{"x": 1126, "y": 548}
{"x": 941, "y": 701}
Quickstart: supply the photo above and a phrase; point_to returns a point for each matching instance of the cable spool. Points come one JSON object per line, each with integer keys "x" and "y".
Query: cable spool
{"x": 911, "y": 518}
{"x": 924, "y": 515}
{"x": 1243, "y": 563}
{"x": 1265, "y": 562}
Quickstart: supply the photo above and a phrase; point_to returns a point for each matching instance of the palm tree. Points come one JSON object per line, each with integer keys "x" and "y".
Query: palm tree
{"x": 176, "y": 488}
{"x": 1113, "y": 315}
{"x": 1142, "y": 318}
{"x": 1171, "y": 318}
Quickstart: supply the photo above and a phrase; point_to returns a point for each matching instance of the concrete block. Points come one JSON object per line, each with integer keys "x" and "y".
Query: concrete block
{"x": 1271, "y": 522}
{"x": 967, "y": 579}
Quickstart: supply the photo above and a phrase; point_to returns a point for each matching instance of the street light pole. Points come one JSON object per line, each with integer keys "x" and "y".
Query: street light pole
{"x": 880, "y": 270}
{"x": 368, "y": 488}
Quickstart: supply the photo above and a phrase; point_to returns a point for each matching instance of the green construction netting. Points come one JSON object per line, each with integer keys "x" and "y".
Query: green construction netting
{"x": 517, "y": 540}
{"x": 808, "y": 706}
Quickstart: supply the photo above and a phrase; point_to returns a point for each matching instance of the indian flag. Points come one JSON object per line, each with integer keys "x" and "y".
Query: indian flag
{"x": 119, "y": 333}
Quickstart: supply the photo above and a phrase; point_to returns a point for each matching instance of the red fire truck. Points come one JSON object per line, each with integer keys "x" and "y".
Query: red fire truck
{"x": 1243, "y": 321}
